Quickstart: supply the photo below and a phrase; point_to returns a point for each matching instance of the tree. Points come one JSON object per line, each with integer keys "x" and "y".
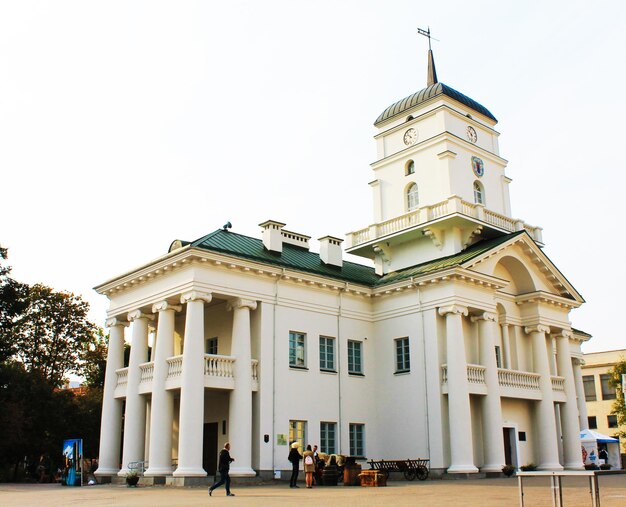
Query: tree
{"x": 94, "y": 360}
{"x": 12, "y": 303}
{"x": 52, "y": 333}
{"x": 619, "y": 408}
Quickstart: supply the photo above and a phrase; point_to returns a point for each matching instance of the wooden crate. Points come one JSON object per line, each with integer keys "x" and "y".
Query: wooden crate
{"x": 372, "y": 478}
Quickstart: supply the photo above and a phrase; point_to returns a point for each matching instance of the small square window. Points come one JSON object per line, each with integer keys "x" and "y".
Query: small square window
{"x": 297, "y": 349}
{"x": 522, "y": 436}
{"x": 355, "y": 357}
{"x": 608, "y": 391}
{"x": 211, "y": 346}
{"x": 611, "y": 421}
{"x": 593, "y": 423}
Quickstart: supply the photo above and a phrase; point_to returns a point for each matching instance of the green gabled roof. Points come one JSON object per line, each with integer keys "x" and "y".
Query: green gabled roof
{"x": 293, "y": 257}
{"x": 447, "y": 262}
{"x": 300, "y": 259}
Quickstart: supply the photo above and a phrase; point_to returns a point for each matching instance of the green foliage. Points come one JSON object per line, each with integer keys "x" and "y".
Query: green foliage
{"x": 12, "y": 303}
{"x": 531, "y": 467}
{"x": 52, "y": 333}
{"x": 619, "y": 409}
{"x": 94, "y": 360}
{"x": 508, "y": 470}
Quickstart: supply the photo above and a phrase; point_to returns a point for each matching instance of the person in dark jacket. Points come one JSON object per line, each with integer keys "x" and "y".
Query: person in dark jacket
{"x": 294, "y": 457}
{"x": 223, "y": 467}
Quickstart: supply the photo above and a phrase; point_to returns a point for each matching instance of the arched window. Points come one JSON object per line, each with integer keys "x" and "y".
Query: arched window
{"x": 410, "y": 167}
{"x": 479, "y": 193}
{"x": 412, "y": 198}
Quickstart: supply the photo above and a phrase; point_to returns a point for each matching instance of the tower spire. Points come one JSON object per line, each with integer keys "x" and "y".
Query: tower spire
{"x": 432, "y": 72}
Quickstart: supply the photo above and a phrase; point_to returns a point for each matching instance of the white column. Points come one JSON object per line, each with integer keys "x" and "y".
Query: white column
{"x": 190, "y": 440}
{"x": 162, "y": 405}
{"x": 580, "y": 394}
{"x": 240, "y": 406}
{"x": 111, "y": 422}
{"x": 506, "y": 346}
{"x": 459, "y": 411}
{"x": 135, "y": 415}
{"x": 548, "y": 450}
{"x": 493, "y": 440}
{"x": 569, "y": 411}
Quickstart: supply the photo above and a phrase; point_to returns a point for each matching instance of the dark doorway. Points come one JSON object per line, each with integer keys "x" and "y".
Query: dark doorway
{"x": 509, "y": 438}
{"x": 209, "y": 448}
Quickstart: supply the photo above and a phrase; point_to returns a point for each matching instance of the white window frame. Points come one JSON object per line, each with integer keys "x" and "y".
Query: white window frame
{"x": 297, "y": 432}
{"x": 479, "y": 192}
{"x": 403, "y": 355}
{"x": 324, "y": 352}
{"x": 209, "y": 343}
{"x": 353, "y": 367}
{"x": 328, "y": 436}
{"x": 297, "y": 341}
{"x": 412, "y": 197}
{"x": 356, "y": 431}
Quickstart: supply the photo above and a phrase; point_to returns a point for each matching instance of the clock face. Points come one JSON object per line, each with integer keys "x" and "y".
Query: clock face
{"x": 410, "y": 136}
{"x": 471, "y": 134}
{"x": 478, "y": 167}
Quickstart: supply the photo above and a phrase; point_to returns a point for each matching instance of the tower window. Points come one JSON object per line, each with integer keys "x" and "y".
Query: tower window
{"x": 479, "y": 193}
{"x": 412, "y": 198}
{"x": 410, "y": 167}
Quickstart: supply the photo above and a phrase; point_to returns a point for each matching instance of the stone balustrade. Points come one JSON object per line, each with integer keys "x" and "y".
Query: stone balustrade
{"x": 428, "y": 213}
{"x": 218, "y": 373}
{"x": 507, "y": 379}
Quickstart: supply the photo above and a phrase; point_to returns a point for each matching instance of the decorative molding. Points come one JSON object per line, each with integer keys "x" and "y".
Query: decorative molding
{"x": 164, "y": 305}
{"x": 545, "y": 297}
{"x": 382, "y": 251}
{"x": 486, "y": 316}
{"x": 537, "y": 328}
{"x": 196, "y": 296}
{"x": 472, "y": 236}
{"x": 115, "y": 321}
{"x": 454, "y": 310}
{"x": 241, "y": 303}
{"x": 138, "y": 314}
{"x": 565, "y": 333}
{"x": 446, "y": 154}
{"x": 435, "y": 235}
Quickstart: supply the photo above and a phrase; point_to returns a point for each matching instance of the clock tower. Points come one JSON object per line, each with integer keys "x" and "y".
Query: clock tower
{"x": 439, "y": 181}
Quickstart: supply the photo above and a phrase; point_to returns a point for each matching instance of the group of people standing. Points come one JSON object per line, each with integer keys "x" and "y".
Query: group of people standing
{"x": 310, "y": 457}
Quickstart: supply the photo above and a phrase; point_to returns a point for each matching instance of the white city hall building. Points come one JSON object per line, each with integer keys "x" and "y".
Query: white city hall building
{"x": 455, "y": 346}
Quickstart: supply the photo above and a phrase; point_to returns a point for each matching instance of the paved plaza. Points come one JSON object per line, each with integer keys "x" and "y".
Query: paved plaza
{"x": 480, "y": 493}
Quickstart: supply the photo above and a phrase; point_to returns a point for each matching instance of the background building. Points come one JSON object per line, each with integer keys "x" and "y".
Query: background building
{"x": 599, "y": 395}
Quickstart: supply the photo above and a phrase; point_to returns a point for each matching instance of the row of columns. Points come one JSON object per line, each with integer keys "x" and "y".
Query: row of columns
{"x": 459, "y": 412}
{"x": 191, "y": 418}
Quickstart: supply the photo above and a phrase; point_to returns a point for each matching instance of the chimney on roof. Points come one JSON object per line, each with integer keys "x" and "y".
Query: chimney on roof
{"x": 330, "y": 251}
{"x": 272, "y": 235}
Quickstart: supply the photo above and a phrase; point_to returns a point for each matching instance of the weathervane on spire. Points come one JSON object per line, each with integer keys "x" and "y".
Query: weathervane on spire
{"x": 432, "y": 73}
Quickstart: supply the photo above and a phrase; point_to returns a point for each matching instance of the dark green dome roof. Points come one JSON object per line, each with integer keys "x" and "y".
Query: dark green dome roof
{"x": 429, "y": 93}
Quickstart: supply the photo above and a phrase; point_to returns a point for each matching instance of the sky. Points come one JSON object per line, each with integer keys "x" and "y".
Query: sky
{"x": 125, "y": 125}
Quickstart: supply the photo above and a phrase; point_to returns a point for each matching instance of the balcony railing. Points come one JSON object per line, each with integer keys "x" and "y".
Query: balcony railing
{"x": 475, "y": 374}
{"x": 427, "y": 213}
{"x": 146, "y": 372}
{"x": 122, "y": 377}
{"x": 558, "y": 383}
{"x": 218, "y": 366}
{"x": 518, "y": 379}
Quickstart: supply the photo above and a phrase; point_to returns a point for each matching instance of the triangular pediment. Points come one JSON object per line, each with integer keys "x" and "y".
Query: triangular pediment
{"x": 525, "y": 267}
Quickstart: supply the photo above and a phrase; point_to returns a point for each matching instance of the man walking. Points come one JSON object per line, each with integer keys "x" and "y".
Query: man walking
{"x": 223, "y": 467}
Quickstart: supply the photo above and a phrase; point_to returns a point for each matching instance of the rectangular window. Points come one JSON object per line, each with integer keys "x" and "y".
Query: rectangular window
{"x": 355, "y": 357}
{"x": 611, "y": 421}
{"x": 297, "y": 433}
{"x": 297, "y": 349}
{"x": 608, "y": 391}
{"x": 357, "y": 440}
{"x": 498, "y": 357}
{"x": 522, "y": 436}
{"x": 328, "y": 432}
{"x": 589, "y": 384}
{"x": 211, "y": 346}
{"x": 327, "y": 353}
{"x": 403, "y": 360}
{"x": 593, "y": 423}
